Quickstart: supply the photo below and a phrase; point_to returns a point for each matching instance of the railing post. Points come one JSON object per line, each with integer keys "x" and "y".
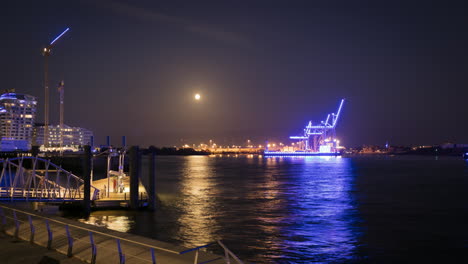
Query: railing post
{"x": 33, "y": 230}
{"x": 16, "y": 225}
{"x": 87, "y": 157}
{"x": 121, "y": 255}
{"x": 226, "y": 256}
{"x": 195, "y": 261}
{"x": 93, "y": 248}
{"x": 49, "y": 235}
{"x": 228, "y": 253}
{"x": 153, "y": 257}
{"x": 70, "y": 242}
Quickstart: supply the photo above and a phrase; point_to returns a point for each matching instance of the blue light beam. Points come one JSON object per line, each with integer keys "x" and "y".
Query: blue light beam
{"x": 338, "y": 113}
{"x": 52, "y": 43}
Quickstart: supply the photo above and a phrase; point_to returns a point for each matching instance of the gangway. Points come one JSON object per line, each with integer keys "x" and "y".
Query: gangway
{"x": 45, "y": 181}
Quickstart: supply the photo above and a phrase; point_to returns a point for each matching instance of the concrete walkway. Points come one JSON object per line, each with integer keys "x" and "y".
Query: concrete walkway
{"x": 136, "y": 249}
{"x": 14, "y": 251}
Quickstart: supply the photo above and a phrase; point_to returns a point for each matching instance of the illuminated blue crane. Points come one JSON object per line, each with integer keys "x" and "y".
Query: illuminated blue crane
{"x": 46, "y": 53}
{"x": 323, "y": 133}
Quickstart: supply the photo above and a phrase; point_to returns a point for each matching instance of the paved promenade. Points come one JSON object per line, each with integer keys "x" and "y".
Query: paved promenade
{"x": 134, "y": 249}
{"x": 14, "y": 251}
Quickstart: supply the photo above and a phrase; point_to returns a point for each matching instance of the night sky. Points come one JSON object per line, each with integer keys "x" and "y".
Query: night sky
{"x": 263, "y": 68}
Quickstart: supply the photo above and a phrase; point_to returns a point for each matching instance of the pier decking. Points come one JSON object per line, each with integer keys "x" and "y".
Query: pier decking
{"x": 112, "y": 195}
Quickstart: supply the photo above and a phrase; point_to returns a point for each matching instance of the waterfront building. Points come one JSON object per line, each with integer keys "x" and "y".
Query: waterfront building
{"x": 17, "y": 115}
{"x": 67, "y": 138}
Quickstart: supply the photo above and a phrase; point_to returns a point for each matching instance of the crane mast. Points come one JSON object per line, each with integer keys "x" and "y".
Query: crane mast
{"x": 46, "y": 53}
{"x": 61, "y": 90}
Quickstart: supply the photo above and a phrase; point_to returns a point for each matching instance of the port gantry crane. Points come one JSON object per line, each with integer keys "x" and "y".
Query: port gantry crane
{"x": 320, "y": 133}
{"x": 46, "y": 53}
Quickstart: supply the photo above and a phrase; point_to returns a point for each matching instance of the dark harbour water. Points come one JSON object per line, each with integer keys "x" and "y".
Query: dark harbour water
{"x": 375, "y": 209}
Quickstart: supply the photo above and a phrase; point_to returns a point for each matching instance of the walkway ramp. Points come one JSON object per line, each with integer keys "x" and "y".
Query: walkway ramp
{"x": 44, "y": 181}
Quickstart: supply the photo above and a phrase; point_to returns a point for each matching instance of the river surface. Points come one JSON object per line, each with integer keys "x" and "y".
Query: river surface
{"x": 364, "y": 209}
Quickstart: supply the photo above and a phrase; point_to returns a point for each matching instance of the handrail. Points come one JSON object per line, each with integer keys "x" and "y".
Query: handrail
{"x": 211, "y": 260}
{"x": 31, "y": 193}
{"x": 226, "y": 250}
{"x": 48, "y": 220}
{"x": 91, "y": 230}
{"x": 196, "y": 248}
{"x": 58, "y": 168}
{"x": 48, "y": 181}
{"x": 72, "y": 239}
{"x": 229, "y": 252}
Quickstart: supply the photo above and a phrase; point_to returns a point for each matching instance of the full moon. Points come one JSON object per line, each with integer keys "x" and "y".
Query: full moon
{"x": 197, "y": 97}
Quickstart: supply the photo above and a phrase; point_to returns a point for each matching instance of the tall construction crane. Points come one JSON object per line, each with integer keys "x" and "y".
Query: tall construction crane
{"x": 46, "y": 53}
{"x": 61, "y": 90}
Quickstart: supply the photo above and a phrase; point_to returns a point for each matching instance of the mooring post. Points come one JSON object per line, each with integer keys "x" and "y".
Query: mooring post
{"x": 87, "y": 156}
{"x": 134, "y": 176}
{"x": 152, "y": 182}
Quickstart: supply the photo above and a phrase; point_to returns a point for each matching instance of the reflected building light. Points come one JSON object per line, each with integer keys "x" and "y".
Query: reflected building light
{"x": 117, "y": 223}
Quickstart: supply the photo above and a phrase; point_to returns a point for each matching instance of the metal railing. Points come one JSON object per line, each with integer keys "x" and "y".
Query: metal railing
{"x": 54, "y": 183}
{"x": 227, "y": 253}
{"x": 94, "y": 246}
{"x": 39, "y": 194}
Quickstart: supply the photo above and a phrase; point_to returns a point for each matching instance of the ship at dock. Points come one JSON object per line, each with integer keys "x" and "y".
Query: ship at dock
{"x": 316, "y": 140}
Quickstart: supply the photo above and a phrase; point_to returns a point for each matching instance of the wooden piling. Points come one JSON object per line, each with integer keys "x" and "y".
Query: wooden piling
{"x": 87, "y": 156}
{"x": 135, "y": 170}
{"x": 152, "y": 181}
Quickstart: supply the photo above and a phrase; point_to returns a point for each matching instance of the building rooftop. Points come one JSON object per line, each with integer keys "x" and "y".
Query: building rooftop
{"x": 17, "y": 96}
